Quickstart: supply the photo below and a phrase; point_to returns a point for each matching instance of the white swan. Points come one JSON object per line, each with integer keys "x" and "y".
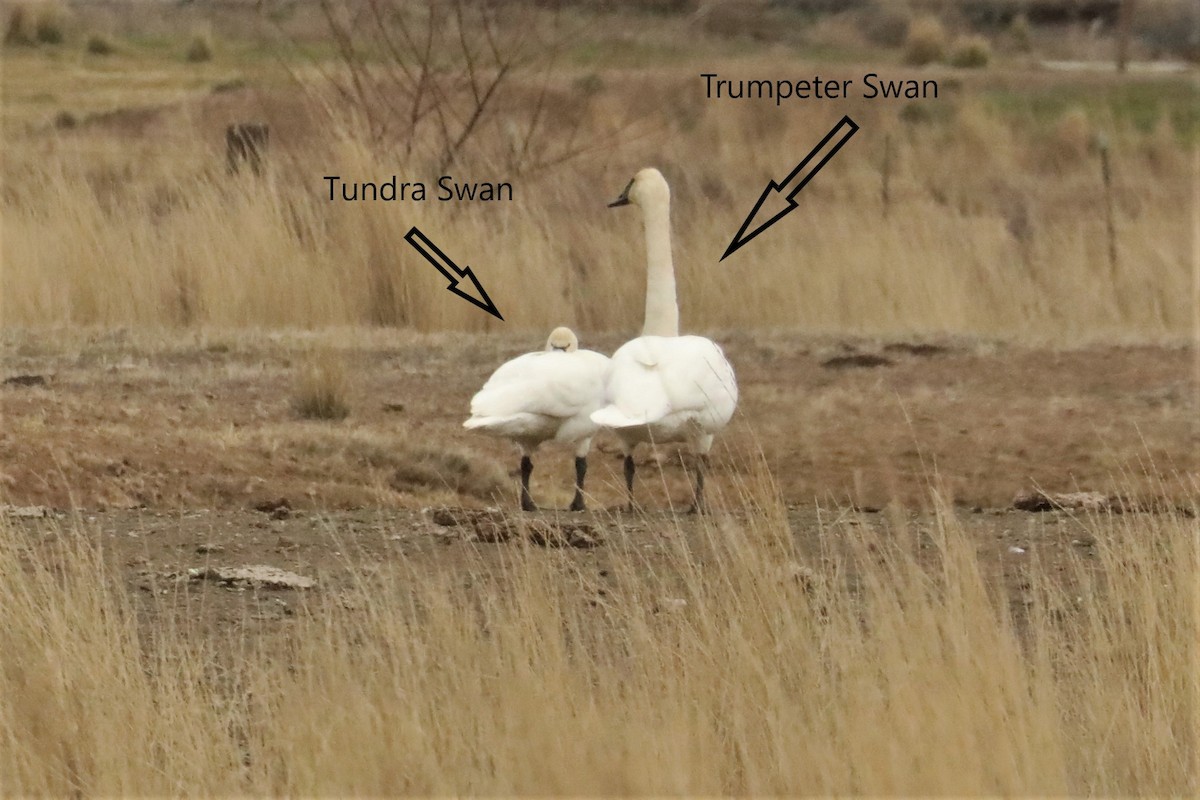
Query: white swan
{"x": 541, "y": 396}
{"x": 663, "y": 387}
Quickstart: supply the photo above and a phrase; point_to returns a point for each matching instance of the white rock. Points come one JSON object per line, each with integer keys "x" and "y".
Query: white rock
{"x": 260, "y": 576}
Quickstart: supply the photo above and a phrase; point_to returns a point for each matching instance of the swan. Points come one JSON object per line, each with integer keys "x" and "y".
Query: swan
{"x": 663, "y": 387}
{"x": 544, "y": 395}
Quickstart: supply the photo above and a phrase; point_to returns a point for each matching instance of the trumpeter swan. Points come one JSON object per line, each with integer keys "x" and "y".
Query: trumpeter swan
{"x": 544, "y": 395}
{"x": 663, "y": 387}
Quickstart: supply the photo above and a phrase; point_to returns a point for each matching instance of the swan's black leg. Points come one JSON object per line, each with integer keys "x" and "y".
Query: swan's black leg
{"x": 526, "y": 471}
{"x": 580, "y": 472}
{"x": 629, "y": 470}
{"x": 698, "y": 506}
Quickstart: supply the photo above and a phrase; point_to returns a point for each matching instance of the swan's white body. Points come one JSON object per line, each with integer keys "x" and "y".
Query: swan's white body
{"x": 668, "y": 389}
{"x": 538, "y": 397}
{"x": 542, "y": 396}
{"x": 663, "y": 387}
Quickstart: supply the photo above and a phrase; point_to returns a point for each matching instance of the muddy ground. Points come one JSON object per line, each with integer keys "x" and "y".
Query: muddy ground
{"x": 176, "y": 454}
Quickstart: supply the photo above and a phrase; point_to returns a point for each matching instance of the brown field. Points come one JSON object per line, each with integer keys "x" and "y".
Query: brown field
{"x": 987, "y": 293}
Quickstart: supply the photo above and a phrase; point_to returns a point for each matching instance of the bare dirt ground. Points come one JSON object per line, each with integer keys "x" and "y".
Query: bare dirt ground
{"x": 175, "y": 453}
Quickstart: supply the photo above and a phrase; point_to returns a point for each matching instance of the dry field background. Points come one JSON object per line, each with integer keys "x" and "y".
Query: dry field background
{"x": 863, "y": 614}
{"x": 997, "y": 219}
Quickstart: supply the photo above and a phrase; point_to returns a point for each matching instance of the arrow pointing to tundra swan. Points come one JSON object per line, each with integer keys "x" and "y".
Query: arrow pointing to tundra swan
{"x": 452, "y": 272}
{"x": 780, "y": 198}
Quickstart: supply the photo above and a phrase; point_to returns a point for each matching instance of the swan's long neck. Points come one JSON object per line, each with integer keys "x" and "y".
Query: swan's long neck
{"x": 662, "y": 311}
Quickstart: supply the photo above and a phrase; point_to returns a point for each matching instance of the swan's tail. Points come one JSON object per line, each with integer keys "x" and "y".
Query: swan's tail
{"x": 494, "y": 422}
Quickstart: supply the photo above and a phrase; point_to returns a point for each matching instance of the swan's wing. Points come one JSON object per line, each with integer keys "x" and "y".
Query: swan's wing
{"x": 652, "y": 377}
{"x": 697, "y": 377}
{"x": 551, "y": 384}
{"x": 634, "y": 388}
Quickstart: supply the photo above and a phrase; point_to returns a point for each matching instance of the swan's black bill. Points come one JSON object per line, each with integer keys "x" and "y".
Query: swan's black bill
{"x": 623, "y": 200}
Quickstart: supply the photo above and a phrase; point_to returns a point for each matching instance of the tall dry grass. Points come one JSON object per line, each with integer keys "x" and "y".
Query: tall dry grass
{"x": 995, "y": 223}
{"x": 893, "y": 667}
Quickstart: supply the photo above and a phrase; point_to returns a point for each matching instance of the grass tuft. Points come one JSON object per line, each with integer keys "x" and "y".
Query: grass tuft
{"x": 51, "y": 24}
{"x": 199, "y": 49}
{"x": 21, "y": 26}
{"x": 100, "y": 44}
{"x": 322, "y": 388}
{"x": 970, "y": 52}
{"x": 925, "y": 42}
{"x": 1073, "y": 135}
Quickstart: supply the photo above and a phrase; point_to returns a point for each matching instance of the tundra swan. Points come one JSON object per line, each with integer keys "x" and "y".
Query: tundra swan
{"x": 549, "y": 394}
{"x": 663, "y": 387}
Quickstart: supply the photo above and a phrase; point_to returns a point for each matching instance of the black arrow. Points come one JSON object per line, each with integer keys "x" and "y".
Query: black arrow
{"x": 800, "y": 176}
{"x": 444, "y": 265}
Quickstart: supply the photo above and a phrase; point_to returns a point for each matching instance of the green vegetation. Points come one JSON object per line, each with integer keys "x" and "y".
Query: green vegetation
{"x": 970, "y": 52}
{"x": 1139, "y": 105}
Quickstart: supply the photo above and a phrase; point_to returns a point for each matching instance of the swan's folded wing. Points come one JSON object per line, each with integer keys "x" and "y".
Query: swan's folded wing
{"x": 553, "y": 384}
{"x": 635, "y": 391}
{"x": 696, "y": 376}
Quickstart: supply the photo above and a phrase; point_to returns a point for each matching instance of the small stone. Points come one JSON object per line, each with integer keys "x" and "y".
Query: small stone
{"x": 1032, "y": 500}
{"x": 445, "y": 517}
{"x": 491, "y": 531}
{"x": 671, "y": 604}
{"x": 209, "y": 547}
{"x": 272, "y": 507}
{"x": 567, "y": 534}
{"x": 801, "y": 574}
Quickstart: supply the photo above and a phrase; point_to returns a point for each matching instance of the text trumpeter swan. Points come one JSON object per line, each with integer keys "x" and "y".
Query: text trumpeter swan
{"x": 540, "y": 396}
{"x": 663, "y": 387}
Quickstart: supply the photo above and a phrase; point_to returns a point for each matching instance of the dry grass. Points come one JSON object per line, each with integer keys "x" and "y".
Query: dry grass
{"x": 35, "y": 23}
{"x": 731, "y": 669}
{"x": 991, "y": 226}
{"x": 200, "y": 48}
{"x": 975, "y": 238}
{"x": 323, "y": 387}
{"x": 925, "y": 41}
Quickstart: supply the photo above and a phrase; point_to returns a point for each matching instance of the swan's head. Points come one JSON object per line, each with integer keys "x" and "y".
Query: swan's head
{"x": 646, "y": 188}
{"x": 562, "y": 339}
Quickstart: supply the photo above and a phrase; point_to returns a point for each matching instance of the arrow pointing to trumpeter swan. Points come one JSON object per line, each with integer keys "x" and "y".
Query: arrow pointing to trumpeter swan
{"x": 452, "y": 272}
{"x": 780, "y": 198}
